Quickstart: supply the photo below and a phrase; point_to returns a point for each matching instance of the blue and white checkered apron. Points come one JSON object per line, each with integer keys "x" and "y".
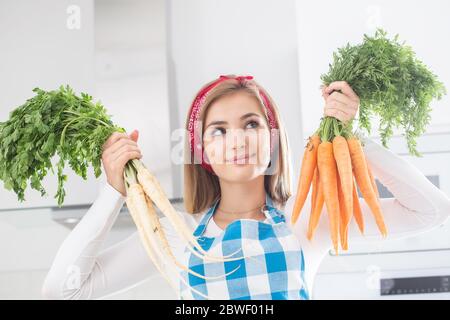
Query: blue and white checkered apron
{"x": 273, "y": 267}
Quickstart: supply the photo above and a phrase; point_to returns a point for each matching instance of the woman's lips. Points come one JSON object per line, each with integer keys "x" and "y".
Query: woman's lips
{"x": 241, "y": 159}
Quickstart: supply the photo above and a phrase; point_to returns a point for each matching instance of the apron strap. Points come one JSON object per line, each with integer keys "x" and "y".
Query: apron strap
{"x": 201, "y": 228}
{"x": 272, "y": 212}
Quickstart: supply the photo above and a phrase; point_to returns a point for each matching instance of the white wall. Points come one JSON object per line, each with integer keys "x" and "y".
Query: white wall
{"x": 131, "y": 76}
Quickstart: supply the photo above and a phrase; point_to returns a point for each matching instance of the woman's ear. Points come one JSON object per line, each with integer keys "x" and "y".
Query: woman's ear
{"x": 205, "y": 158}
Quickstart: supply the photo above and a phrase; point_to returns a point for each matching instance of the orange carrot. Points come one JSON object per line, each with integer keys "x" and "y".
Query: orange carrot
{"x": 328, "y": 179}
{"x": 343, "y": 217}
{"x": 363, "y": 180}
{"x": 372, "y": 180}
{"x": 316, "y": 210}
{"x": 344, "y": 165}
{"x": 309, "y": 164}
{"x": 357, "y": 212}
{"x": 314, "y": 188}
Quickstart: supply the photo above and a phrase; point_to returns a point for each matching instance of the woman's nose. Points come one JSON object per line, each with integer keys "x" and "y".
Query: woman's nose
{"x": 237, "y": 139}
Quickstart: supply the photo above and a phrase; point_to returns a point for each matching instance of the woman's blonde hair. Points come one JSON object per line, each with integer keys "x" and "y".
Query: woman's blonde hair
{"x": 202, "y": 188}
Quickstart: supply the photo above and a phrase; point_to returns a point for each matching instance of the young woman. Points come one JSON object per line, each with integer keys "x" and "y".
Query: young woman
{"x": 238, "y": 197}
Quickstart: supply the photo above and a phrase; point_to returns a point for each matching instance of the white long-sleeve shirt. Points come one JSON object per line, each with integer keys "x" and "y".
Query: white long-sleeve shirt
{"x": 82, "y": 271}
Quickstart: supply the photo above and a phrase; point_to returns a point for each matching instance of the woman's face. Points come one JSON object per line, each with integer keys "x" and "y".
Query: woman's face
{"x": 236, "y": 137}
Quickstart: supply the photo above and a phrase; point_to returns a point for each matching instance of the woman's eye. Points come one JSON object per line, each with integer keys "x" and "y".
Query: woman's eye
{"x": 217, "y": 131}
{"x": 252, "y": 124}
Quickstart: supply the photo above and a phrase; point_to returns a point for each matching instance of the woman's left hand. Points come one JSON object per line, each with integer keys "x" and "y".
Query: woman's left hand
{"x": 343, "y": 106}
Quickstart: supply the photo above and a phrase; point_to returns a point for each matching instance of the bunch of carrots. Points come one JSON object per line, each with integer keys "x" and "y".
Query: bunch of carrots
{"x": 392, "y": 84}
{"x": 334, "y": 164}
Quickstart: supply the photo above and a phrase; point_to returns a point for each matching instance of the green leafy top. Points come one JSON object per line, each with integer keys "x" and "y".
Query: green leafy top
{"x": 52, "y": 122}
{"x": 390, "y": 82}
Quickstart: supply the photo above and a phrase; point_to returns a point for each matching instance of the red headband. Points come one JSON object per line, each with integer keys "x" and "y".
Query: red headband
{"x": 197, "y": 104}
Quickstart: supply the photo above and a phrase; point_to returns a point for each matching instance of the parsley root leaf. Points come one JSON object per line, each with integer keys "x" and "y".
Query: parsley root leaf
{"x": 390, "y": 82}
{"x": 52, "y": 122}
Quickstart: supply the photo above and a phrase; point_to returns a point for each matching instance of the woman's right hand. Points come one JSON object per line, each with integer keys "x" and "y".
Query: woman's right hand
{"x": 117, "y": 151}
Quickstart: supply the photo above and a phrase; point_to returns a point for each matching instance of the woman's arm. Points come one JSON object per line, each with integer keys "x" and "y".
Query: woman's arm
{"x": 418, "y": 206}
{"x": 81, "y": 271}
